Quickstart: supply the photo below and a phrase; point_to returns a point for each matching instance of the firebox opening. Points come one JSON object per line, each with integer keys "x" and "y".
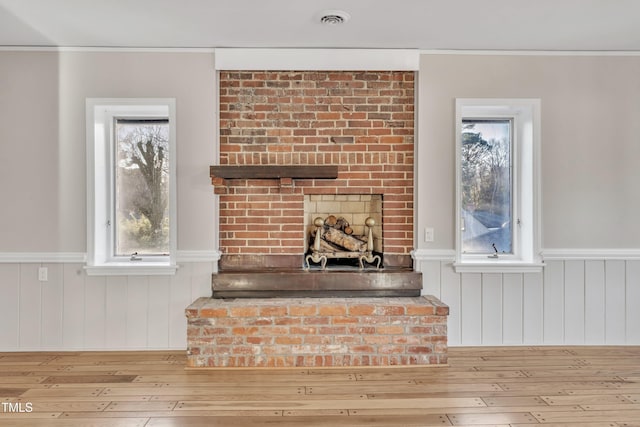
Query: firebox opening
{"x": 343, "y": 231}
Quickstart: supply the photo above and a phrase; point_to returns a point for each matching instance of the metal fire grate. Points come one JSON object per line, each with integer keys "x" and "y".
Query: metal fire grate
{"x": 333, "y": 238}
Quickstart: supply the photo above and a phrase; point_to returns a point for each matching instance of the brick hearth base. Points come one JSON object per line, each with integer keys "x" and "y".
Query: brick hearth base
{"x": 314, "y": 332}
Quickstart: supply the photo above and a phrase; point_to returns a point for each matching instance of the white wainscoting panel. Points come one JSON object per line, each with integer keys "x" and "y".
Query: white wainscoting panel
{"x": 591, "y": 301}
{"x": 512, "y": 309}
{"x": 553, "y": 303}
{"x": 532, "y": 309}
{"x": 10, "y": 306}
{"x": 52, "y": 299}
{"x": 116, "y": 311}
{"x": 95, "y": 313}
{"x": 632, "y": 302}
{"x": 574, "y": 308}
{"x": 30, "y": 305}
{"x": 73, "y": 311}
{"x": 137, "y": 312}
{"x": 594, "y": 302}
{"x": 492, "y": 309}
{"x": 471, "y": 308}
{"x": 615, "y": 307}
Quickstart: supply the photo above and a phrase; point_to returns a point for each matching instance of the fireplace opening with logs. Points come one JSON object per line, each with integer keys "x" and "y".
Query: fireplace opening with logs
{"x": 342, "y": 256}
{"x": 333, "y": 239}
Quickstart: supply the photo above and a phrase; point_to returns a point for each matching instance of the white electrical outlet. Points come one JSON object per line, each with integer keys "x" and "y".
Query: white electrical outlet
{"x": 43, "y": 274}
{"x": 428, "y": 234}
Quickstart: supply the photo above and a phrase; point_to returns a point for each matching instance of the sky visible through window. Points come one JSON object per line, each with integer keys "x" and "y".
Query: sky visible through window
{"x": 486, "y": 186}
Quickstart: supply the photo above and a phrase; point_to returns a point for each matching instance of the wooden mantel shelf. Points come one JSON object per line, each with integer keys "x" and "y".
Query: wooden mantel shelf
{"x": 274, "y": 172}
{"x": 286, "y": 174}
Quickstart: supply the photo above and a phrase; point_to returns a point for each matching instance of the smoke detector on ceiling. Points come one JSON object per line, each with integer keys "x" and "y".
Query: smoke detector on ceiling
{"x": 334, "y": 17}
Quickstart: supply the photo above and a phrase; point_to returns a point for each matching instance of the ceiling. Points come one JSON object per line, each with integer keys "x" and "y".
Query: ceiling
{"x": 577, "y": 25}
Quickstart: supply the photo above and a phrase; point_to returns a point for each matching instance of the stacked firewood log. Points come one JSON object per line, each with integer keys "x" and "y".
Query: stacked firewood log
{"x": 337, "y": 236}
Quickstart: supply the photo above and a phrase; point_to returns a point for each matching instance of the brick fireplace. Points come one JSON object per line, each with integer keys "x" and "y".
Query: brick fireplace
{"x": 362, "y": 123}
{"x": 295, "y": 146}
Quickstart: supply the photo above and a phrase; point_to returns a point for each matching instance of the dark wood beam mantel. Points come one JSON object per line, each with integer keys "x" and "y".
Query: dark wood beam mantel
{"x": 274, "y": 172}
{"x": 285, "y": 174}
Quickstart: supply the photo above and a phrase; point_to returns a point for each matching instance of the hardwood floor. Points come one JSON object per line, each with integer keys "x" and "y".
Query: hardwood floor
{"x": 505, "y": 386}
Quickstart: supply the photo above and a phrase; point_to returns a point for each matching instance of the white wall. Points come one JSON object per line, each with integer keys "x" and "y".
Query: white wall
{"x": 43, "y": 190}
{"x": 590, "y": 106}
{"x": 42, "y": 140}
{"x": 590, "y": 196}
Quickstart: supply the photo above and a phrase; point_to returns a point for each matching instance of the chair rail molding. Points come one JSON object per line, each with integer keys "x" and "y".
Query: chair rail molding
{"x": 38, "y": 257}
{"x": 591, "y": 254}
{"x": 80, "y": 257}
{"x": 547, "y": 254}
{"x": 433, "y": 255}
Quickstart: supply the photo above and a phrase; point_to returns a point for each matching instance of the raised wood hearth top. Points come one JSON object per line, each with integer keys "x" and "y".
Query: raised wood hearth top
{"x": 274, "y": 172}
{"x": 320, "y": 284}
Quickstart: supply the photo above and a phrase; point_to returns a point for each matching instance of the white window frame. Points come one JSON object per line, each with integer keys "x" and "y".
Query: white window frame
{"x": 101, "y": 114}
{"x": 525, "y": 116}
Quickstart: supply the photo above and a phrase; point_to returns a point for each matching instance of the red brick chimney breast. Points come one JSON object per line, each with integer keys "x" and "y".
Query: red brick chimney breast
{"x": 362, "y": 122}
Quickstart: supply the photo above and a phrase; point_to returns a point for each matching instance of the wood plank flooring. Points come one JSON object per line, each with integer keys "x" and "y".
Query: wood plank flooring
{"x": 501, "y": 386}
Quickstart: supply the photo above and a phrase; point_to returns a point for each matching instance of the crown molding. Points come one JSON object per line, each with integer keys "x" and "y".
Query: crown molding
{"x": 386, "y": 52}
{"x": 106, "y": 49}
{"x": 531, "y": 52}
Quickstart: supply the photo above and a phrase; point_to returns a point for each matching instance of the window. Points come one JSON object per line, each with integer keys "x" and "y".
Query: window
{"x": 497, "y": 145}
{"x": 141, "y": 187}
{"x": 486, "y": 186}
{"x": 131, "y": 186}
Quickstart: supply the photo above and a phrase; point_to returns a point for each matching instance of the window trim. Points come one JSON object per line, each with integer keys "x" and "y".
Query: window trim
{"x": 525, "y": 113}
{"x": 100, "y": 114}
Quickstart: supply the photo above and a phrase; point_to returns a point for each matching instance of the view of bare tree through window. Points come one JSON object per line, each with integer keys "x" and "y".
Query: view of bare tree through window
{"x": 142, "y": 187}
{"x": 486, "y": 186}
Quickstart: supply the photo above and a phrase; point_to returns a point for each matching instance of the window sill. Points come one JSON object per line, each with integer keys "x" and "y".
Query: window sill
{"x": 130, "y": 269}
{"x": 498, "y": 266}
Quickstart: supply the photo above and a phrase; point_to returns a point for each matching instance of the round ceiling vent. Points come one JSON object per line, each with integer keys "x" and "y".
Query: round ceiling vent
{"x": 334, "y": 17}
